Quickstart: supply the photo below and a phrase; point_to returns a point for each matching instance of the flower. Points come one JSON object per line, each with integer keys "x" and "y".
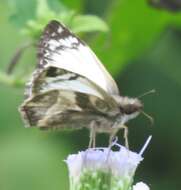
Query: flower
{"x": 98, "y": 167}
{"x": 140, "y": 186}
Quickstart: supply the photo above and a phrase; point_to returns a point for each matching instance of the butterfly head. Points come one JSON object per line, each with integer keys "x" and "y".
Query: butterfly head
{"x": 129, "y": 107}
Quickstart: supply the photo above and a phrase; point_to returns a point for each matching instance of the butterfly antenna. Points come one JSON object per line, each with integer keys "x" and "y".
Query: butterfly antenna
{"x": 146, "y": 93}
{"x": 149, "y": 117}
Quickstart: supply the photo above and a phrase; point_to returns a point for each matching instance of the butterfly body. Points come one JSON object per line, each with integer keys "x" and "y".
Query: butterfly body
{"x": 71, "y": 89}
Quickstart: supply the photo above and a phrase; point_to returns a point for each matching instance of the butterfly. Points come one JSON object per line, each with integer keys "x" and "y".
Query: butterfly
{"x": 71, "y": 89}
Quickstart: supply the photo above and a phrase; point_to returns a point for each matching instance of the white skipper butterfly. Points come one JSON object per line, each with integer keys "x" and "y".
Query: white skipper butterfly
{"x": 71, "y": 89}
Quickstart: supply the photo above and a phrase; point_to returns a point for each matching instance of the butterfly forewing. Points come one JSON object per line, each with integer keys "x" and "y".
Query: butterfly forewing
{"x": 60, "y": 48}
{"x": 52, "y": 78}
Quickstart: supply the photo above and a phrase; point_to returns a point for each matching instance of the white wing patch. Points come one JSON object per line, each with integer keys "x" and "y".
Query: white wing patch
{"x": 51, "y": 78}
{"x": 60, "y": 48}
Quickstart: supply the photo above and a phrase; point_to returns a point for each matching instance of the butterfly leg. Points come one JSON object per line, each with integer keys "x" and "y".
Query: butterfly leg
{"x": 92, "y": 141}
{"x": 115, "y": 130}
{"x": 125, "y": 135}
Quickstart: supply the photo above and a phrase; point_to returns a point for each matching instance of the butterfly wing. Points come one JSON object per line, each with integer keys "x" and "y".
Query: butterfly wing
{"x": 52, "y": 78}
{"x": 61, "y": 48}
{"x": 70, "y": 87}
{"x": 63, "y": 109}
{"x": 61, "y": 99}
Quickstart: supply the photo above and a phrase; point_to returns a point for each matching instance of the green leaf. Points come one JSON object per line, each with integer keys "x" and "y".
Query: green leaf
{"x": 44, "y": 14}
{"x": 21, "y": 11}
{"x": 135, "y": 26}
{"x": 88, "y": 23}
{"x": 42, "y": 8}
{"x": 73, "y": 4}
{"x": 56, "y": 5}
{"x": 66, "y": 17}
{"x": 11, "y": 80}
{"x": 45, "y": 10}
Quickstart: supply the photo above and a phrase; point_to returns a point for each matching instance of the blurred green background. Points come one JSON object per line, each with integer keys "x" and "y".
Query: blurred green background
{"x": 142, "y": 50}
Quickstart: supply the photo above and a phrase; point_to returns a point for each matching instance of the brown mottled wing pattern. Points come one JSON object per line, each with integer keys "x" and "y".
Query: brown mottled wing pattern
{"x": 63, "y": 109}
{"x": 70, "y": 87}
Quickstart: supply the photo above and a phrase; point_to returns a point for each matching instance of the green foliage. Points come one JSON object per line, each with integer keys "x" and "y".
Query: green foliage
{"x": 88, "y": 23}
{"x": 46, "y": 12}
{"x": 74, "y": 4}
{"x": 21, "y": 11}
{"x": 134, "y": 27}
{"x": 12, "y": 80}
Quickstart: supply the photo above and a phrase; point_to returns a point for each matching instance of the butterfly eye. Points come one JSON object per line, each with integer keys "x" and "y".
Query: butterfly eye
{"x": 130, "y": 109}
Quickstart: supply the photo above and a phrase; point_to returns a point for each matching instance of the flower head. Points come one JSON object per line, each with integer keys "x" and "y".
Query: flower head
{"x": 90, "y": 167}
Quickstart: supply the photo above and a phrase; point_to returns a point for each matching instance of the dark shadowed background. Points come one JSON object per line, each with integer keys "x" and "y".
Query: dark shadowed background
{"x": 142, "y": 50}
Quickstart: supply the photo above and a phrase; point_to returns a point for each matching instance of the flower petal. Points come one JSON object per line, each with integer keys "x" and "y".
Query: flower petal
{"x": 140, "y": 186}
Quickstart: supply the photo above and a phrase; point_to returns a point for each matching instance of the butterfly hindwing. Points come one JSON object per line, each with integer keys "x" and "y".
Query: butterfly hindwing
{"x": 59, "y": 108}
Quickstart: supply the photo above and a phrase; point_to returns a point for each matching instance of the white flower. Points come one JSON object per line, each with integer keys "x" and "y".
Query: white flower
{"x": 91, "y": 166}
{"x": 119, "y": 165}
{"x": 140, "y": 186}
